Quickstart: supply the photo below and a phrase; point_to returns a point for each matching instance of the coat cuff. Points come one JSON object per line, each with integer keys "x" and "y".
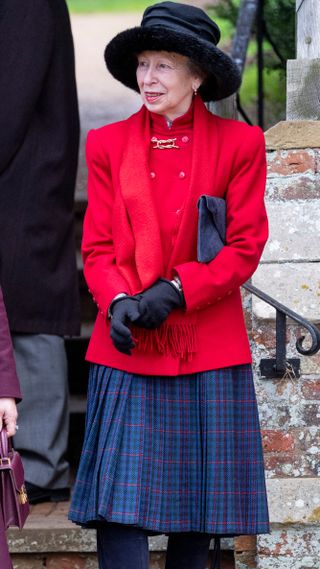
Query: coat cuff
{"x": 113, "y": 301}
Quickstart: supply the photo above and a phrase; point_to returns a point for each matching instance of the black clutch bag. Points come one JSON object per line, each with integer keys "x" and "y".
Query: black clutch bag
{"x": 211, "y": 227}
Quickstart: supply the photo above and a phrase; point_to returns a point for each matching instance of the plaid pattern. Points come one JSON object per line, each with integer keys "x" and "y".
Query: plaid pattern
{"x": 173, "y": 453}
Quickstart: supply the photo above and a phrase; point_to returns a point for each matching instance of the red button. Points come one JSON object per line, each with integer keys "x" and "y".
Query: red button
{"x": 185, "y": 139}
{"x": 182, "y": 175}
{"x": 152, "y": 174}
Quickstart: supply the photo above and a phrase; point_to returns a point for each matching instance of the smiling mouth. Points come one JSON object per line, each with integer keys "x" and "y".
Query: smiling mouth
{"x": 152, "y": 97}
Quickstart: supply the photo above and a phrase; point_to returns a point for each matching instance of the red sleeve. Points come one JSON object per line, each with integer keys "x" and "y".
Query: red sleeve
{"x": 247, "y": 230}
{"x": 103, "y": 278}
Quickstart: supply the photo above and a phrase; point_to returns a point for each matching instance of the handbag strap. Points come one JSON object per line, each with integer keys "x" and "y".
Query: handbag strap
{"x": 5, "y": 443}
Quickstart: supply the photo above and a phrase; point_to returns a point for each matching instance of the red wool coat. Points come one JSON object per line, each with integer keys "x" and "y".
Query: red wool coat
{"x": 128, "y": 230}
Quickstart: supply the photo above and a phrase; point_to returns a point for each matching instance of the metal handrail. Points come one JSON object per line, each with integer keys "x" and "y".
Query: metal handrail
{"x": 277, "y": 367}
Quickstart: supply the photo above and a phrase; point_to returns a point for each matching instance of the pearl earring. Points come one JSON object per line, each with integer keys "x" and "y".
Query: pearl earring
{"x": 195, "y": 91}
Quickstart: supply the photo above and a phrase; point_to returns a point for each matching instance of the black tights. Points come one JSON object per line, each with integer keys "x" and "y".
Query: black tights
{"x": 126, "y": 547}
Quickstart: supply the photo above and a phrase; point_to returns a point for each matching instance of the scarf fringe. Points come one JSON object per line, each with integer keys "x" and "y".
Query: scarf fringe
{"x": 177, "y": 340}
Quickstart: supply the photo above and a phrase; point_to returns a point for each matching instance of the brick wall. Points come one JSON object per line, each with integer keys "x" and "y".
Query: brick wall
{"x": 289, "y": 407}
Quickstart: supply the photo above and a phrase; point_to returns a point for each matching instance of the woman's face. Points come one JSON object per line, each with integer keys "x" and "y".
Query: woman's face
{"x": 166, "y": 83}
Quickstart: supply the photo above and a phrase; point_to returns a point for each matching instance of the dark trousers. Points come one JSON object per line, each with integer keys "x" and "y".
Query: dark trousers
{"x": 42, "y": 370}
{"x": 125, "y": 547}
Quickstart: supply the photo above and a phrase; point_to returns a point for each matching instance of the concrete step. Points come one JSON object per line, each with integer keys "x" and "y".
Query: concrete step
{"x": 49, "y": 540}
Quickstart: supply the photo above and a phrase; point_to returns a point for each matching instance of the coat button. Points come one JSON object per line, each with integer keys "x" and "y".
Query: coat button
{"x": 182, "y": 175}
{"x": 152, "y": 175}
{"x": 185, "y": 139}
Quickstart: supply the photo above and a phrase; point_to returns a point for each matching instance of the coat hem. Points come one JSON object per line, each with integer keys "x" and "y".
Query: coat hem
{"x": 157, "y": 370}
{"x": 45, "y": 327}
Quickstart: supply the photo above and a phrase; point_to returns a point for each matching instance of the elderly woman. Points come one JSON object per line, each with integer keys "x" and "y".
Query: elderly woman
{"x": 9, "y": 394}
{"x": 172, "y": 441}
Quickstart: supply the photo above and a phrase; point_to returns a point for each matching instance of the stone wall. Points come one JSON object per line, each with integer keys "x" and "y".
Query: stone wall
{"x": 289, "y": 407}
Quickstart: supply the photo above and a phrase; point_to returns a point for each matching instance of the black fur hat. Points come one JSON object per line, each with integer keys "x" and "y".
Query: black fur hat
{"x": 179, "y": 28}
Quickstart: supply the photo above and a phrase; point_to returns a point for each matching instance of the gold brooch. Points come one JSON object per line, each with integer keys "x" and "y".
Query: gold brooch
{"x": 163, "y": 144}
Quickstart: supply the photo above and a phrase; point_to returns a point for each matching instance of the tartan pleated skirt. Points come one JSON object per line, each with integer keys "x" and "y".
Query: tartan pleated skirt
{"x": 172, "y": 454}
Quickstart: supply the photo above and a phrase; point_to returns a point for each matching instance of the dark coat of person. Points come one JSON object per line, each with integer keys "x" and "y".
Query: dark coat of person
{"x": 9, "y": 383}
{"x": 39, "y": 138}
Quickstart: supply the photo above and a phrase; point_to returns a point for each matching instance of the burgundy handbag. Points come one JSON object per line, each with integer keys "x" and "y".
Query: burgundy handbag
{"x": 13, "y": 497}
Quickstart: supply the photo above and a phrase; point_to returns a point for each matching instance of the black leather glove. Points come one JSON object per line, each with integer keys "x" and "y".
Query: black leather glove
{"x": 157, "y": 302}
{"x": 123, "y": 311}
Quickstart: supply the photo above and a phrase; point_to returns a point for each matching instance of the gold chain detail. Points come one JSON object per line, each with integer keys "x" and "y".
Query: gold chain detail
{"x": 164, "y": 144}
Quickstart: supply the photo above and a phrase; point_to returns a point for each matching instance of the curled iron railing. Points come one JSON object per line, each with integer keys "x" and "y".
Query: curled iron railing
{"x": 277, "y": 367}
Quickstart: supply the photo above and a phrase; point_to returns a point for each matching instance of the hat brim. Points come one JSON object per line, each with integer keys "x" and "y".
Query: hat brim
{"x": 223, "y": 76}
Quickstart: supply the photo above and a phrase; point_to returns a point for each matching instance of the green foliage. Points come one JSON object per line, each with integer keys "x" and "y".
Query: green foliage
{"x": 228, "y": 9}
{"x": 91, "y": 6}
{"x": 274, "y": 95}
{"x": 279, "y": 16}
{"x": 280, "y": 21}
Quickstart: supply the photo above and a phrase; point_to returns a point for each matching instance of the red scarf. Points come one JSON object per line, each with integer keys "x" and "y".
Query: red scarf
{"x": 178, "y": 333}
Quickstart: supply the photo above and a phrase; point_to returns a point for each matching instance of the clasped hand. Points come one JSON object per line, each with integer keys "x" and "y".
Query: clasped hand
{"x": 8, "y": 415}
{"x": 148, "y": 309}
